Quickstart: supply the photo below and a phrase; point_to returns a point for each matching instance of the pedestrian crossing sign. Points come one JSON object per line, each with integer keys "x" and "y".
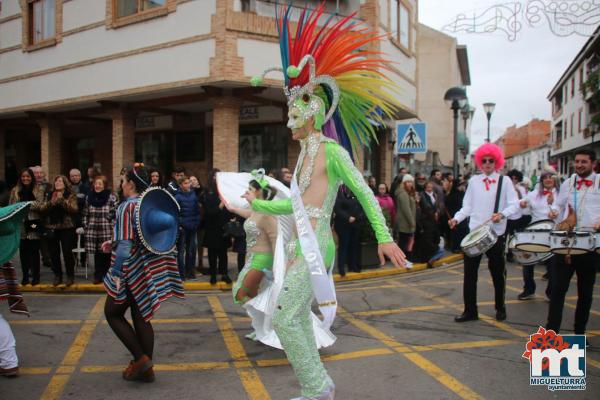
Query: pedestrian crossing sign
{"x": 411, "y": 138}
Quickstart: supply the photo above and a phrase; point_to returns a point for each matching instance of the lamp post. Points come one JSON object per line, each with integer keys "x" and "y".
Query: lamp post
{"x": 455, "y": 98}
{"x": 488, "y": 108}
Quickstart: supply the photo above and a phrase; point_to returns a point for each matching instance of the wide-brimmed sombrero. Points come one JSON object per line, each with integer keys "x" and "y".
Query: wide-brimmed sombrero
{"x": 157, "y": 220}
{"x": 11, "y": 221}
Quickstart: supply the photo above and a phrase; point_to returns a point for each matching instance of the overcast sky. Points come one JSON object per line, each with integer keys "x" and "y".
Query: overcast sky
{"x": 516, "y": 75}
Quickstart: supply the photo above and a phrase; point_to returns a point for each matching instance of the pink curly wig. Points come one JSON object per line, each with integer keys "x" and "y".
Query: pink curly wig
{"x": 489, "y": 150}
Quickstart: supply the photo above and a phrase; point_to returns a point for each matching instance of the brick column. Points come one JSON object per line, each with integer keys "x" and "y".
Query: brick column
{"x": 123, "y": 142}
{"x": 385, "y": 159}
{"x": 226, "y": 133}
{"x": 51, "y": 147}
{"x": 2, "y": 155}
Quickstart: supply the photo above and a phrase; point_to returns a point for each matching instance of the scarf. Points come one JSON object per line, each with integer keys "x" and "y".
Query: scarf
{"x": 98, "y": 199}
{"x": 26, "y": 193}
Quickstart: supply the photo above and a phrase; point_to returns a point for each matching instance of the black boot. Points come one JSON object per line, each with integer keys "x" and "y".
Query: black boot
{"x": 464, "y": 317}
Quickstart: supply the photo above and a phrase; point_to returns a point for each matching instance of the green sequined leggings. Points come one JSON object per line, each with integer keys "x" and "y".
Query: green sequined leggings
{"x": 293, "y": 325}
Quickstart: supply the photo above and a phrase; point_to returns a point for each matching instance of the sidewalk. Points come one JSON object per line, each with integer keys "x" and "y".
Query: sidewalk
{"x": 83, "y": 285}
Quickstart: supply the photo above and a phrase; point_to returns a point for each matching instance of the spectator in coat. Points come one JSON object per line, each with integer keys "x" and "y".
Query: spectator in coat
{"x": 216, "y": 217}
{"x": 398, "y": 179}
{"x": 198, "y": 188}
{"x": 453, "y": 204}
{"x": 29, "y": 248}
{"x": 81, "y": 190}
{"x": 349, "y": 216}
{"x": 406, "y": 214}
{"x": 386, "y": 202}
{"x": 188, "y": 226}
{"x": 427, "y": 234}
{"x": 372, "y": 182}
{"x": 60, "y": 211}
{"x": 98, "y": 221}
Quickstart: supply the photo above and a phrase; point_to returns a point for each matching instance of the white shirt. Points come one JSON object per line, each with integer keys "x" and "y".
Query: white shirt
{"x": 524, "y": 193}
{"x": 432, "y": 197}
{"x": 538, "y": 204}
{"x": 478, "y": 203}
{"x": 587, "y": 207}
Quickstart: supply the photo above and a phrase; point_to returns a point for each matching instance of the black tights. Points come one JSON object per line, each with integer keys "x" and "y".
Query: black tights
{"x": 138, "y": 339}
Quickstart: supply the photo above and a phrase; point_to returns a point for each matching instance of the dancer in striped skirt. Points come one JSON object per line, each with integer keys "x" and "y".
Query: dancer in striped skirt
{"x": 140, "y": 277}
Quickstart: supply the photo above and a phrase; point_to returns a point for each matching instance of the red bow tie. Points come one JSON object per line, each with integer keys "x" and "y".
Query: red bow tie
{"x": 546, "y": 192}
{"x": 487, "y": 182}
{"x": 587, "y": 182}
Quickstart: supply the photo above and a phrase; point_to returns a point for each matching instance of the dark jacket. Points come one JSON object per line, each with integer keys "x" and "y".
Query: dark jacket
{"x": 215, "y": 219}
{"x": 427, "y": 235}
{"x": 172, "y": 187}
{"x": 346, "y": 206}
{"x": 189, "y": 216}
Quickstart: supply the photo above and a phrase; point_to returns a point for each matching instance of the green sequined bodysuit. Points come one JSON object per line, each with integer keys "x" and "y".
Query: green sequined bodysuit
{"x": 292, "y": 321}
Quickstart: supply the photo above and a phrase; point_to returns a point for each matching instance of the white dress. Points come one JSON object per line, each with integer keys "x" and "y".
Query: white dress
{"x": 261, "y": 308}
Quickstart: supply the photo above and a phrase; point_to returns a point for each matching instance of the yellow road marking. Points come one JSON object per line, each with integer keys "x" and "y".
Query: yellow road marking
{"x": 94, "y": 369}
{"x": 58, "y": 382}
{"x": 441, "y": 376}
{"x": 34, "y": 371}
{"x": 333, "y": 357}
{"x": 248, "y": 375}
{"x": 465, "y": 345}
{"x": 433, "y": 370}
{"x": 592, "y": 362}
{"x": 47, "y": 322}
{"x": 396, "y": 310}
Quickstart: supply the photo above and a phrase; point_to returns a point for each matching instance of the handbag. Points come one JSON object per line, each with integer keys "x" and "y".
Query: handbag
{"x": 233, "y": 229}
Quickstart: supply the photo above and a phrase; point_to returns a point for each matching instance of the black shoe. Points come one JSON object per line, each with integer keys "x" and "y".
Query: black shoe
{"x": 500, "y": 315}
{"x": 545, "y": 277}
{"x": 24, "y": 282}
{"x": 35, "y": 282}
{"x": 526, "y": 296}
{"x": 464, "y": 317}
{"x": 213, "y": 280}
{"x": 57, "y": 281}
{"x": 226, "y": 279}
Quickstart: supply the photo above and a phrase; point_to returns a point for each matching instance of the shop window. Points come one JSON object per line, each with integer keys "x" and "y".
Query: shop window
{"x": 155, "y": 150}
{"x": 189, "y": 146}
{"x": 263, "y": 146}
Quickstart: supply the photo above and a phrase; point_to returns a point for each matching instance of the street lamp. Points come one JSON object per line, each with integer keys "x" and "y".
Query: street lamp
{"x": 455, "y": 98}
{"x": 488, "y": 108}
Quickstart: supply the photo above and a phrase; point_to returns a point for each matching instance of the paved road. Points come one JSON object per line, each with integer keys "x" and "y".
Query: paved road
{"x": 396, "y": 340}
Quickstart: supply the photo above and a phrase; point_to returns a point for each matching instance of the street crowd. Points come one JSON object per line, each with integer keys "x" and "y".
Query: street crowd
{"x": 71, "y": 211}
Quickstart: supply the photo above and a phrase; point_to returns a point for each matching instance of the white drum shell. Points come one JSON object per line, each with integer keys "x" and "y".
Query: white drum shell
{"x": 526, "y": 257}
{"x": 575, "y": 243}
{"x": 487, "y": 238}
{"x": 533, "y": 241}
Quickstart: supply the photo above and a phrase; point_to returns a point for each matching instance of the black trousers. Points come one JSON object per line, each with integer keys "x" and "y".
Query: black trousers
{"x": 585, "y": 267}
{"x": 497, "y": 269}
{"x": 217, "y": 256}
{"x": 348, "y": 248}
{"x": 241, "y": 260}
{"x": 101, "y": 265}
{"x": 29, "y": 252}
{"x": 63, "y": 239}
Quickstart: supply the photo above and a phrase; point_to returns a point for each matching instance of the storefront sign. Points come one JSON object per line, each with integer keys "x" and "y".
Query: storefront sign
{"x": 149, "y": 123}
{"x": 249, "y": 113}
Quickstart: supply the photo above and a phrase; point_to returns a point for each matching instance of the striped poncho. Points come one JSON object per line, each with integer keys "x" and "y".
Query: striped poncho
{"x": 151, "y": 278}
{"x": 9, "y": 289}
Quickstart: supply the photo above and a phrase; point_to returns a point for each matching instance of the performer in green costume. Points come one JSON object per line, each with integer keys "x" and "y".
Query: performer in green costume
{"x": 343, "y": 102}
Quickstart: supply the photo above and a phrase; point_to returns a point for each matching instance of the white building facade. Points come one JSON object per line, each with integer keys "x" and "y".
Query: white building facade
{"x": 166, "y": 82}
{"x": 530, "y": 162}
{"x": 571, "y": 110}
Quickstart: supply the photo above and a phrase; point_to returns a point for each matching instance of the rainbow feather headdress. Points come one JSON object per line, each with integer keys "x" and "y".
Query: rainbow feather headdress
{"x": 342, "y": 78}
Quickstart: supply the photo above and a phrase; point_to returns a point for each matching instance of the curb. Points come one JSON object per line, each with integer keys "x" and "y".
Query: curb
{"x": 221, "y": 286}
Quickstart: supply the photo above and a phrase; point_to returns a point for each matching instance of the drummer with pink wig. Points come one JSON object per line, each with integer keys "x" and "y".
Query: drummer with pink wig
{"x": 489, "y": 199}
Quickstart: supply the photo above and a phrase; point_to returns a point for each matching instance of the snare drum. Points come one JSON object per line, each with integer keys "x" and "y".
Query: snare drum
{"x": 575, "y": 243}
{"x": 535, "y": 238}
{"x": 526, "y": 257}
{"x": 479, "y": 241}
